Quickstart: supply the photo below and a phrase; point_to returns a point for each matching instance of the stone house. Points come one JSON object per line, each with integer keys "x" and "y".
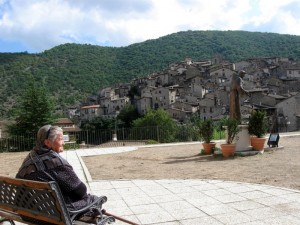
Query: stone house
{"x": 91, "y": 112}
{"x": 67, "y": 125}
{"x": 147, "y": 91}
{"x": 222, "y": 97}
{"x": 288, "y": 111}
{"x": 199, "y": 79}
{"x": 143, "y": 104}
{"x": 151, "y": 81}
{"x": 188, "y": 98}
{"x": 274, "y": 84}
{"x": 200, "y": 87}
{"x": 162, "y": 79}
{"x": 197, "y": 90}
{"x": 185, "y": 105}
{"x": 191, "y": 72}
{"x": 107, "y": 93}
{"x": 118, "y": 104}
{"x": 221, "y": 75}
{"x": 249, "y": 85}
{"x": 242, "y": 65}
{"x": 254, "y": 74}
{"x": 208, "y": 109}
{"x": 289, "y": 85}
{"x": 179, "y": 114}
{"x": 179, "y": 79}
{"x": 106, "y": 105}
{"x": 257, "y": 94}
{"x": 292, "y": 87}
{"x": 73, "y": 111}
{"x": 162, "y": 97}
{"x": 122, "y": 90}
{"x": 69, "y": 129}
{"x": 271, "y": 100}
{"x": 139, "y": 81}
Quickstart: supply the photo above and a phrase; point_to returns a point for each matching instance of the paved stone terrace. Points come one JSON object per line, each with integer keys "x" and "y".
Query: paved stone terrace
{"x": 174, "y": 202}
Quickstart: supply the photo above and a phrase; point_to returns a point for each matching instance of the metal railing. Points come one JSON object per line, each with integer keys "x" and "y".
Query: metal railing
{"x": 94, "y": 138}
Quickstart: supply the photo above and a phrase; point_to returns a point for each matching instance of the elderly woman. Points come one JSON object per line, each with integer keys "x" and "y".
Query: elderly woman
{"x": 44, "y": 163}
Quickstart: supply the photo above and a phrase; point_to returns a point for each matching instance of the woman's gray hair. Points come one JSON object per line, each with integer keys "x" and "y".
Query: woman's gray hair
{"x": 47, "y": 132}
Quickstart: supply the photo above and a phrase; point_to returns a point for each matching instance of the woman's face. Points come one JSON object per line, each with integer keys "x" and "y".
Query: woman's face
{"x": 56, "y": 145}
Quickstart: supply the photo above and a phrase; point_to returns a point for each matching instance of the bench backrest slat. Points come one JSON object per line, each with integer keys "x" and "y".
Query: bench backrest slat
{"x": 39, "y": 200}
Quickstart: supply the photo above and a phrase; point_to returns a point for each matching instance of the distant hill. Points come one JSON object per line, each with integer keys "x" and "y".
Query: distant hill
{"x": 73, "y": 71}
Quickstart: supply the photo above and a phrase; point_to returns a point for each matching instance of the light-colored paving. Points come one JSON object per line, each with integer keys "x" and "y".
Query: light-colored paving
{"x": 196, "y": 202}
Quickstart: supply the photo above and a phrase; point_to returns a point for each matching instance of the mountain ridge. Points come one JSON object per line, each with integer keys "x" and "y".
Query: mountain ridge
{"x": 73, "y": 71}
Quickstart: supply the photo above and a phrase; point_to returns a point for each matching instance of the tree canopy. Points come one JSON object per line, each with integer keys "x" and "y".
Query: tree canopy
{"x": 33, "y": 110}
{"x": 159, "y": 119}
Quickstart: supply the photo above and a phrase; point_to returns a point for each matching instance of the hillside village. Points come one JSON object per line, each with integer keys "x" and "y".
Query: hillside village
{"x": 202, "y": 87}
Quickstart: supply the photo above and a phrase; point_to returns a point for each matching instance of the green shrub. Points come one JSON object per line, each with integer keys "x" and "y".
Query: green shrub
{"x": 151, "y": 142}
{"x": 69, "y": 146}
{"x": 258, "y": 125}
{"x": 206, "y": 130}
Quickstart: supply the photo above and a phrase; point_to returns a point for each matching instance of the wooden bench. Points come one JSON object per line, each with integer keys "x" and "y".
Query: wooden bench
{"x": 33, "y": 202}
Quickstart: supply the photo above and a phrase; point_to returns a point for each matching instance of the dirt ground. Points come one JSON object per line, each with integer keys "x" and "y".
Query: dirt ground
{"x": 279, "y": 168}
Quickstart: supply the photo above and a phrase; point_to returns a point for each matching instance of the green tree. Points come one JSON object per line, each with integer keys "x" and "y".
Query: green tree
{"x": 98, "y": 123}
{"x": 33, "y": 110}
{"x": 166, "y": 127}
{"x": 127, "y": 115}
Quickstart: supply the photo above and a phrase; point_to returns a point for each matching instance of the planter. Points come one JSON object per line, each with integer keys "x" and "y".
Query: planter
{"x": 258, "y": 144}
{"x": 208, "y": 147}
{"x": 228, "y": 150}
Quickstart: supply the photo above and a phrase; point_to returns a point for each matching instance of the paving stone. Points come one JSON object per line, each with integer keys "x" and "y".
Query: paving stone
{"x": 195, "y": 201}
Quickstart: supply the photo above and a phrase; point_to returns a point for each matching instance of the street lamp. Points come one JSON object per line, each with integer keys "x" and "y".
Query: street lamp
{"x": 287, "y": 122}
{"x": 115, "y": 132}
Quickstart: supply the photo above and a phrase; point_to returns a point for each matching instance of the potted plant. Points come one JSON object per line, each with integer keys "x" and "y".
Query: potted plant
{"x": 258, "y": 127}
{"x": 206, "y": 132}
{"x": 232, "y": 127}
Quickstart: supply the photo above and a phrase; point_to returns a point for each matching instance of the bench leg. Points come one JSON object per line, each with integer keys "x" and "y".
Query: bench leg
{"x": 7, "y": 220}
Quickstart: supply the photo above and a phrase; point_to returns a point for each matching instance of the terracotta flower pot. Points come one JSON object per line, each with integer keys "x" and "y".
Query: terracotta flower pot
{"x": 208, "y": 147}
{"x": 228, "y": 150}
{"x": 258, "y": 143}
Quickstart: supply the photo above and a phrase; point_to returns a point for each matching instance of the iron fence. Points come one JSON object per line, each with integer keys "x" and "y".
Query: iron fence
{"x": 94, "y": 138}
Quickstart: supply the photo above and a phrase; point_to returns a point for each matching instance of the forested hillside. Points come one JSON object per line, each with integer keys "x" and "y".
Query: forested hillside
{"x": 73, "y": 71}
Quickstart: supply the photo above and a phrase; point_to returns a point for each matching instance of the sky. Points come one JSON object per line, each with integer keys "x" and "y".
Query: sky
{"x": 38, "y": 25}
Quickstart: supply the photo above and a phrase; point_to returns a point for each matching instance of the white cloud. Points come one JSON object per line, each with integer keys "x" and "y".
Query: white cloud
{"x": 42, "y": 24}
{"x": 277, "y": 16}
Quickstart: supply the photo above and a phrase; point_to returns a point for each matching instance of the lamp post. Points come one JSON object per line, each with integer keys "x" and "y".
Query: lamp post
{"x": 287, "y": 122}
{"x": 115, "y": 132}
